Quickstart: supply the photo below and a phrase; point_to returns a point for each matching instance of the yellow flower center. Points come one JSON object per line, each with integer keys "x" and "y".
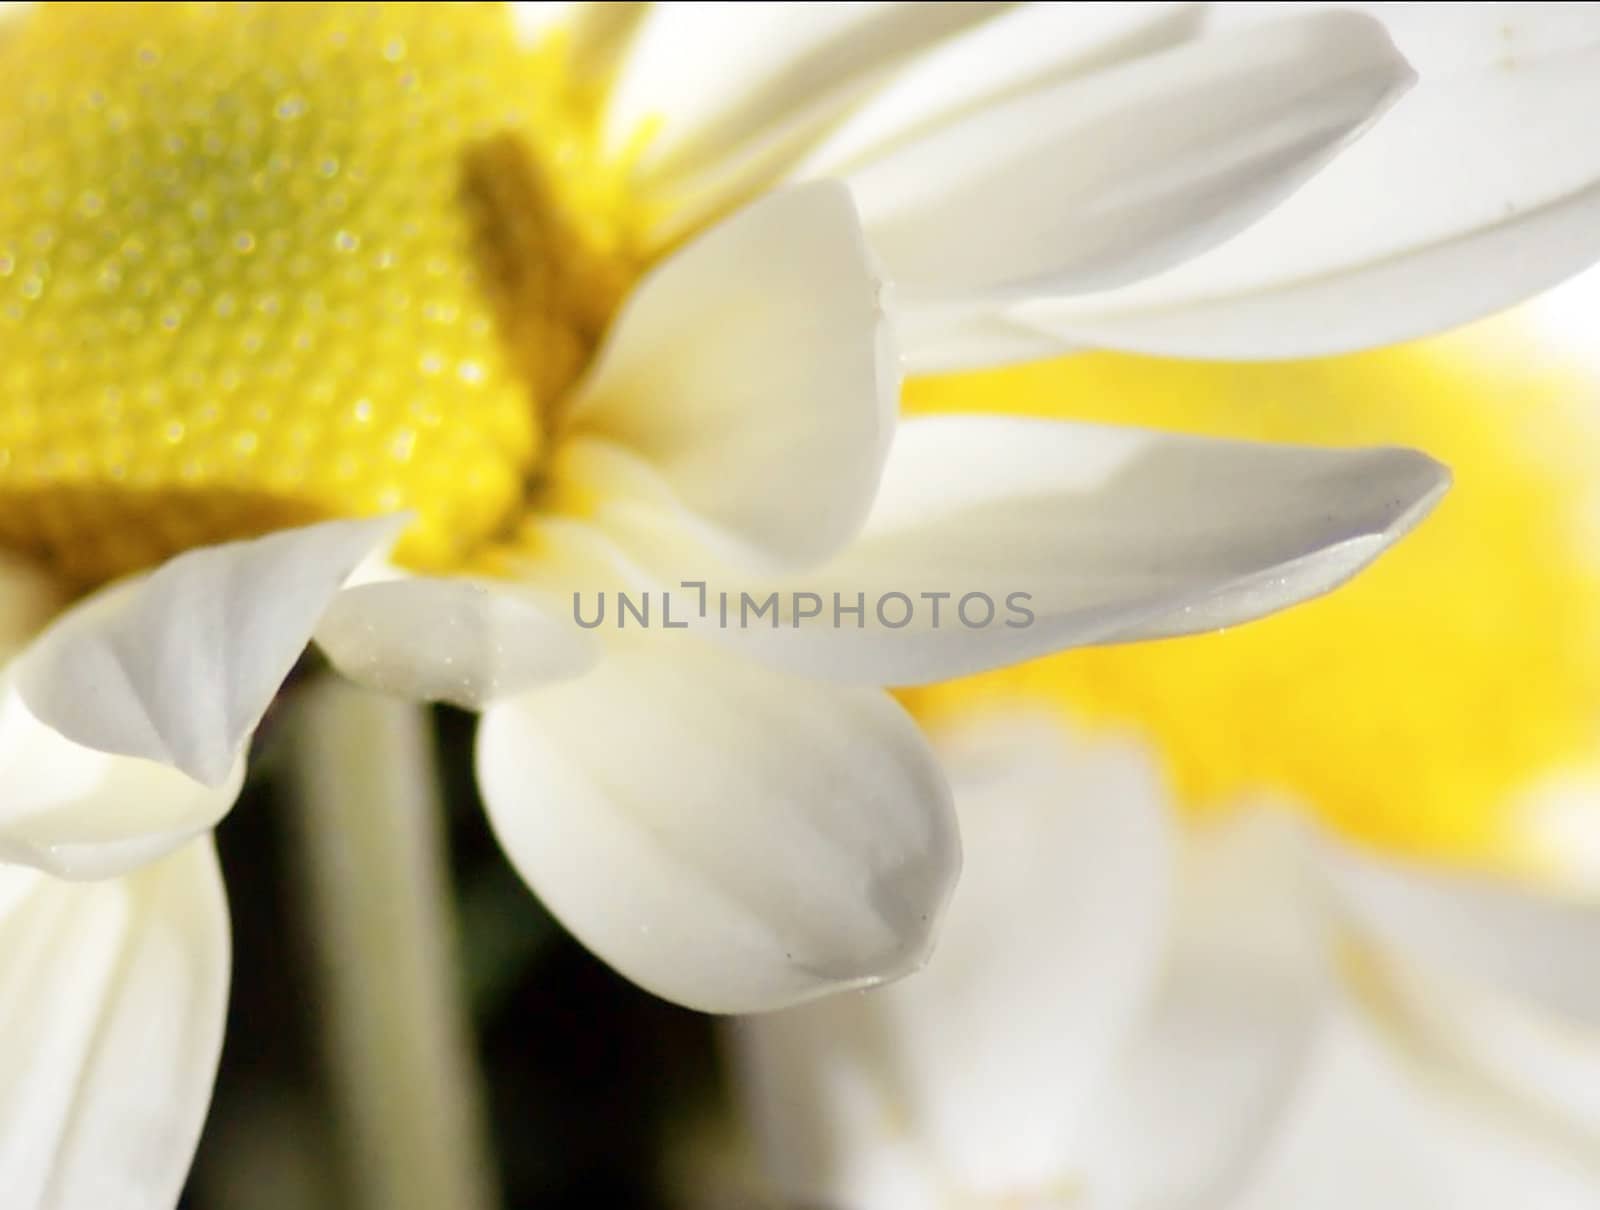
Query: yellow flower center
{"x": 265, "y": 264}
{"x": 1419, "y": 707}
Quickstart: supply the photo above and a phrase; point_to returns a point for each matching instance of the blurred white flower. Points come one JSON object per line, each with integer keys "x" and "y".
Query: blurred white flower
{"x": 1243, "y": 1016}
{"x": 598, "y": 311}
{"x": 1387, "y": 1004}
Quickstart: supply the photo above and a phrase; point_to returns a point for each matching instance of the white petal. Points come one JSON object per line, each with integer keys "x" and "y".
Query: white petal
{"x": 825, "y": 1109}
{"x": 179, "y": 665}
{"x": 1382, "y": 1124}
{"x": 1540, "y": 947}
{"x": 754, "y": 372}
{"x": 81, "y": 813}
{"x": 112, "y": 1000}
{"x": 1536, "y": 1063}
{"x": 1092, "y": 183}
{"x": 984, "y": 1069}
{"x": 1480, "y": 188}
{"x": 726, "y": 95}
{"x": 1240, "y": 1013}
{"x": 1444, "y": 39}
{"x": 1110, "y": 534}
{"x": 941, "y": 340}
{"x": 466, "y": 642}
{"x": 762, "y": 841}
{"x": 1020, "y": 47}
{"x": 1356, "y": 1133}
{"x": 1007, "y": 1041}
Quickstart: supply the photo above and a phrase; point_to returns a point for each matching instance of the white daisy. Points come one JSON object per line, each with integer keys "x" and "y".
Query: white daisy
{"x": 1394, "y": 1007}
{"x": 274, "y": 270}
{"x": 1120, "y": 1015}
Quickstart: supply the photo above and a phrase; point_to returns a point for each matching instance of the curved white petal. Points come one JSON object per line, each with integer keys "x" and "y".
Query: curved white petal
{"x": 1094, "y": 182}
{"x": 1444, "y": 39}
{"x": 178, "y": 666}
{"x": 984, "y": 1070}
{"x": 1535, "y": 945}
{"x": 77, "y": 812}
{"x": 1535, "y": 1063}
{"x": 726, "y": 837}
{"x": 466, "y": 642}
{"x": 1266, "y": 1080}
{"x": 112, "y": 1000}
{"x": 1380, "y": 1122}
{"x": 1019, "y": 47}
{"x": 1052, "y": 948}
{"x": 1078, "y": 534}
{"x": 1480, "y": 188}
{"x": 1245, "y": 999}
{"x": 825, "y": 1111}
{"x": 713, "y": 100}
{"x": 1356, "y": 1133}
{"x": 941, "y": 340}
{"x": 754, "y": 372}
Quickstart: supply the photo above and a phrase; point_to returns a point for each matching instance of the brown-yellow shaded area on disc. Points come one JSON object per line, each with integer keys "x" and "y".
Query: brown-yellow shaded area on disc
{"x": 1414, "y": 707}
{"x": 263, "y": 262}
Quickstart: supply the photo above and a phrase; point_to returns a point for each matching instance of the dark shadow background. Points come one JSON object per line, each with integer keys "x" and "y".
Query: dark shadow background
{"x": 586, "y": 1074}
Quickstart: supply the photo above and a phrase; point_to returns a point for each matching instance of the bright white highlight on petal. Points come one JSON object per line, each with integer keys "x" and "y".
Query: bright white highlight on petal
{"x": 1114, "y": 534}
{"x": 466, "y": 642}
{"x": 726, "y": 837}
{"x": 754, "y": 371}
{"x": 112, "y": 1000}
{"x": 178, "y": 666}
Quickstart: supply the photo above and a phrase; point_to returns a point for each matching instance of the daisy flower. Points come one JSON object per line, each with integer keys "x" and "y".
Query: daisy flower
{"x": 1294, "y": 915}
{"x": 499, "y": 303}
{"x": 1186, "y": 1023}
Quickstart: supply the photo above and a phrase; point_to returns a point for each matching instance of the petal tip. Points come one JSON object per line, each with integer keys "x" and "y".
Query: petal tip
{"x": 1421, "y": 482}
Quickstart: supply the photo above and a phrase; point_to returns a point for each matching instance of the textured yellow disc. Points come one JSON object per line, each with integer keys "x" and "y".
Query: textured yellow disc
{"x": 262, "y": 264}
{"x": 1418, "y": 708}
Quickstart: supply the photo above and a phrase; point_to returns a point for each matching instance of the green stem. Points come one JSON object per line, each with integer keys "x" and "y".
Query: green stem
{"x": 369, "y": 827}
